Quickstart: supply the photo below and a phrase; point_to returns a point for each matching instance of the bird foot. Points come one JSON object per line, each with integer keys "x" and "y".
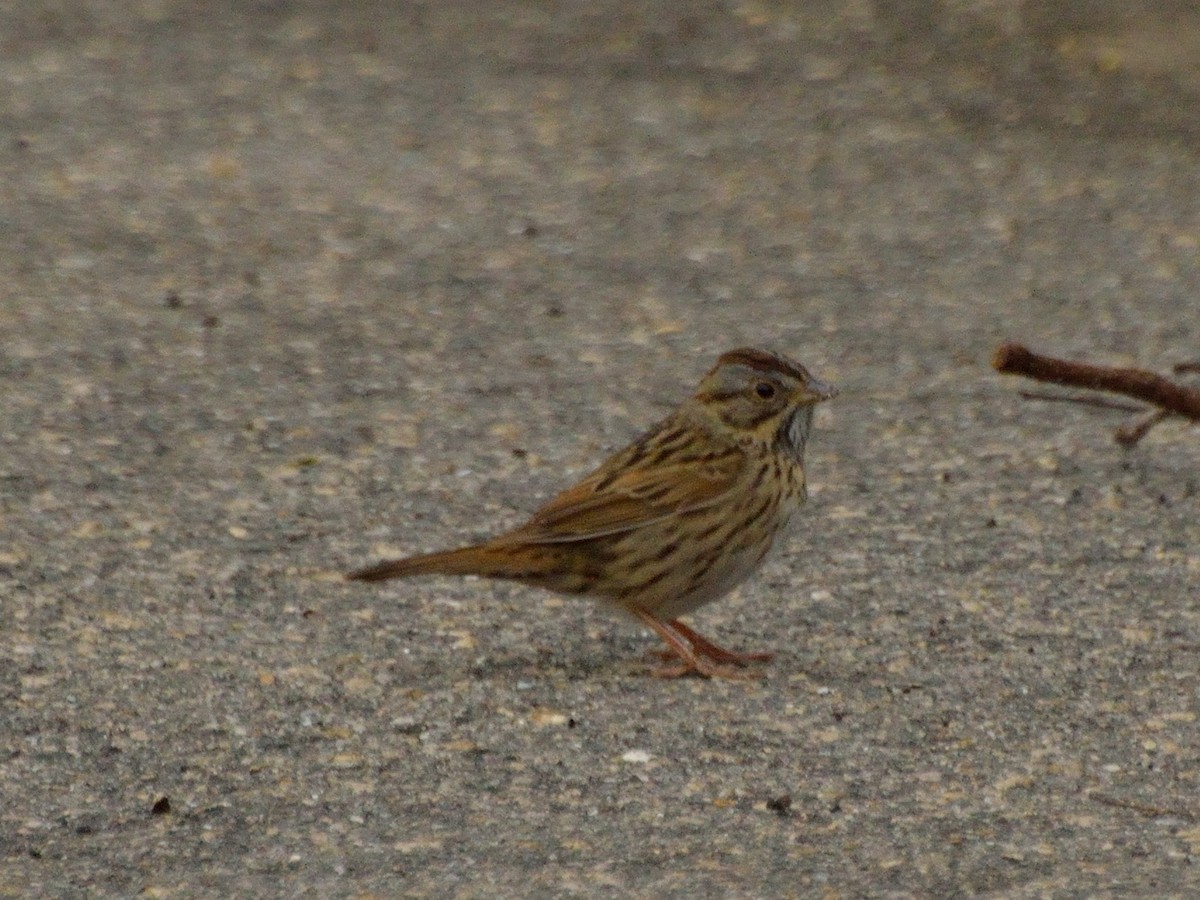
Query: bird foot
{"x": 718, "y": 654}
{"x": 696, "y": 655}
{"x": 703, "y": 668}
{"x": 721, "y": 656}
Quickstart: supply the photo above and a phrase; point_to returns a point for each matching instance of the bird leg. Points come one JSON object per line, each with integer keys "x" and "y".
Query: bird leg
{"x": 716, "y": 652}
{"x": 692, "y": 664}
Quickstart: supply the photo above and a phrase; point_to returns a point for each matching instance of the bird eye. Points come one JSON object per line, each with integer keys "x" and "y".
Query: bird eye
{"x": 765, "y": 389}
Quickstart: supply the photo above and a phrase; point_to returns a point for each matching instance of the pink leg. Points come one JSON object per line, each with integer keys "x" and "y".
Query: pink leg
{"x": 692, "y": 664}
{"x": 715, "y": 652}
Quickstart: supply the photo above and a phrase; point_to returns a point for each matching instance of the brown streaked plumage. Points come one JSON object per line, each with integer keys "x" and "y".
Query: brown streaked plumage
{"x": 675, "y": 520}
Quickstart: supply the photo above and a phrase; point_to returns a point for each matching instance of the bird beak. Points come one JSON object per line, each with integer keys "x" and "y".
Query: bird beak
{"x": 816, "y": 391}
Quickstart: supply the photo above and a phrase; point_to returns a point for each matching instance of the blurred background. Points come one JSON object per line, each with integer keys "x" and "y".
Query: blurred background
{"x": 285, "y": 286}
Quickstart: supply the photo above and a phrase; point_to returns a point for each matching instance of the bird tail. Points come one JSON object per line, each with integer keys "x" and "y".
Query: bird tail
{"x": 484, "y": 561}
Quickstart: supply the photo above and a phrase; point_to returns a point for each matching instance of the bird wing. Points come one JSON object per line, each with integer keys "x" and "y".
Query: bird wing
{"x": 632, "y": 490}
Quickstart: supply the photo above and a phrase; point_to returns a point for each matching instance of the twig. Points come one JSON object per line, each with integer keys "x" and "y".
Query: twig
{"x": 1102, "y": 402}
{"x": 1137, "y": 383}
{"x": 1145, "y": 809}
{"x": 1130, "y": 433}
{"x": 1170, "y": 397}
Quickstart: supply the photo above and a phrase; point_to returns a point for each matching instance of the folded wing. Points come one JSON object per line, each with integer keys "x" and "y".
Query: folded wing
{"x": 631, "y": 491}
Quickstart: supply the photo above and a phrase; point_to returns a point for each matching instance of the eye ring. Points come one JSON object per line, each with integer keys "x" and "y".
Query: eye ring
{"x": 765, "y": 390}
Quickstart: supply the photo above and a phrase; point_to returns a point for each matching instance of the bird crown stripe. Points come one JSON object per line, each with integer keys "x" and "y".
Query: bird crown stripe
{"x": 762, "y": 361}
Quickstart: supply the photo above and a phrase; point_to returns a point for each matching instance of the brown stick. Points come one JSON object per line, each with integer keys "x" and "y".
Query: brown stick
{"x": 1145, "y": 809}
{"x": 1137, "y": 383}
{"x": 1129, "y": 434}
{"x": 1102, "y": 402}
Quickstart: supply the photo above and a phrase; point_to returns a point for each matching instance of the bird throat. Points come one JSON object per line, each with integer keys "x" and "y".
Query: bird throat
{"x": 793, "y": 433}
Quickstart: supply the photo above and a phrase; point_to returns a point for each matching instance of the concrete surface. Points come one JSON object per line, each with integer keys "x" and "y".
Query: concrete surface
{"x": 288, "y": 286}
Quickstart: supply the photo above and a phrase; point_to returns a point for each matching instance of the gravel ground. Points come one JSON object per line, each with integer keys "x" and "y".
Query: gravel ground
{"x": 286, "y": 287}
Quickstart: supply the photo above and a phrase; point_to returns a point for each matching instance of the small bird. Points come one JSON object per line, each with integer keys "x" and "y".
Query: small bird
{"x": 675, "y": 520}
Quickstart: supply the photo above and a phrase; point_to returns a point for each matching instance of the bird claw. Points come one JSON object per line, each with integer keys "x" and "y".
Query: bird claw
{"x": 705, "y": 669}
{"x": 740, "y": 660}
{"x": 721, "y": 655}
{"x": 695, "y": 654}
{"x": 718, "y": 654}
